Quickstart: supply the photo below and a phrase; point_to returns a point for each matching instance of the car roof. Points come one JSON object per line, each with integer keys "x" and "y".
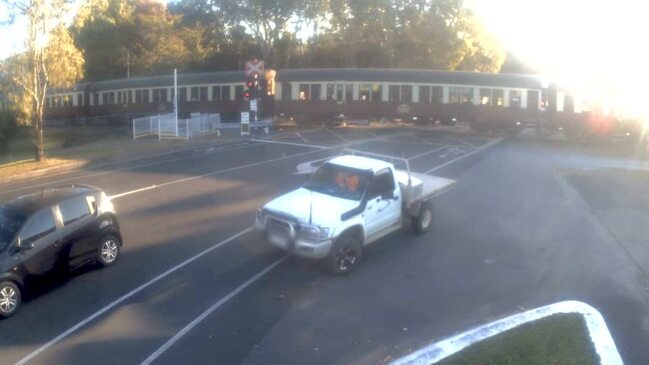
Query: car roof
{"x": 29, "y": 204}
{"x": 360, "y": 162}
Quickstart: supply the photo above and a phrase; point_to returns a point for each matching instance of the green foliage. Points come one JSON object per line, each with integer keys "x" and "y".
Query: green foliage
{"x": 204, "y": 35}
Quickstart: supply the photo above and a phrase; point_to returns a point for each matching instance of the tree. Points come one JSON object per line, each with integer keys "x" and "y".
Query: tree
{"x": 138, "y": 34}
{"x": 50, "y": 59}
{"x": 266, "y": 20}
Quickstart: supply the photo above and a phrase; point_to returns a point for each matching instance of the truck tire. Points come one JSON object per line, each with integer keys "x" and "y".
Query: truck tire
{"x": 345, "y": 254}
{"x": 422, "y": 222}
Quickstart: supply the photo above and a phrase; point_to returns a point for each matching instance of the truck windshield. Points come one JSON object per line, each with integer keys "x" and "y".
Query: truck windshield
{"x": 339, "y": 181}
{"x": 9, "y": 225}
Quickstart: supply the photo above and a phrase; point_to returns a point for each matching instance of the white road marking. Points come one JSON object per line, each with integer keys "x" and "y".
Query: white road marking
{"x": 483, "y": 147}
{"x": 302, "y": 138}
{"x": 124, "y": 297}
{"x": 599, "y": 334}
{"x": 336, "y": 134}
{"x": 427, "y": 153}
{"x": 459, "y": 140}
{"x": 116, "y": 196}
{"x": 209, "y": 311}
{"x": 126, "y": 168}
{"x": 290, "y": 143}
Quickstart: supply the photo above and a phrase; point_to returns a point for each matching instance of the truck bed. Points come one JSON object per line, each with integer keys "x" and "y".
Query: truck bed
{"x": 423, "y": 187}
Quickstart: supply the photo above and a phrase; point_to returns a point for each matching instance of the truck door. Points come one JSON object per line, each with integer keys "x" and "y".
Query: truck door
{"x": 383, "y": 207}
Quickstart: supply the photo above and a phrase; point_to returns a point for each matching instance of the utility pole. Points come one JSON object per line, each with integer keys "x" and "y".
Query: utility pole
{"x": 128, "y": 64}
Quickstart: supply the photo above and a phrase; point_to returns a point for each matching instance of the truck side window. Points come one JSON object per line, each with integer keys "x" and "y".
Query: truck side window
{"x": 382, "y": 182}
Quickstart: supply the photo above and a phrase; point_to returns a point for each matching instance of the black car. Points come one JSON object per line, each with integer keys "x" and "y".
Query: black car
{"x": 54, "y": 230}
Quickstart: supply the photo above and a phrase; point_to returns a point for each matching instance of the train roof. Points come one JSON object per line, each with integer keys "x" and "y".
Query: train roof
{"x": 217, "y": 77}
{"x": 410, "y": 76}
{"x": 319, "y": 75}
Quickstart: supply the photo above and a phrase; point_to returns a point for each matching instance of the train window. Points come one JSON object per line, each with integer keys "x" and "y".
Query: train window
{"x": 238, "y": 92}
{"x": 145, "y": 96}
{"x": 424, "y": 94}
{"x": 485, "y": 96}
{"x": 498, "y": 97}
{"x": 315, "y": 91}
{"x": 406, "y": 94}
{"x": 339, "y": 92}
{"x": 304, "y": 92}
{"x": 80, "y": 99}
{"x": 331, "y": 95}
{"x": 287, "y": 90}
{"x": 138, "y": 96}
{"x": 225, "y": 92}
{"x": 364, "y": 92}
{"x": 95, "y": 99}
{"x": 156, "y": 95}
{"x": 216, "y": 93}
{"x": 67, "y": 101}
{"x": 569, "y": 104}
{"x": 533, "y": 99}
{"x": 393, "y": 93}
{"x": 182, "y": 94}
{"x": 467, "y": 95}
{"x": 514, "y": 98}
{"x": 377, "y": 90}
{"x": 48, "y": 101}
{"x": 163, "y": 95}
{"x": 130, "y": 96}
{"x": 194, "y": 94}
{"x": 437, "y": 94}
{"x": 454, "y": 95}
{"x": 349, "y": 92}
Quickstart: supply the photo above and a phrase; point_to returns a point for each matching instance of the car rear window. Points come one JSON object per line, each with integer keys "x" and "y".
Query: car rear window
{"x": 74, "y": 209}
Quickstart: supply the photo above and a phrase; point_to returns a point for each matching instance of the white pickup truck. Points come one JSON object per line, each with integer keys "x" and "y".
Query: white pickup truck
{"x": 350, "y": 201}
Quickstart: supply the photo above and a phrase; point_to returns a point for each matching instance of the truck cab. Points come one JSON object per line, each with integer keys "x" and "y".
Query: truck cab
{"x": 349, "y": 202}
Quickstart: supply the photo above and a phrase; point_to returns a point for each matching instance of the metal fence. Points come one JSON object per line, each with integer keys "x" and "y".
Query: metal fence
{"x": 166, "y": 126}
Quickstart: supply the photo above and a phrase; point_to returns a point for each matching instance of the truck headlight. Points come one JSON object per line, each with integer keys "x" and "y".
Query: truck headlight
{"x": 314, "y": 233}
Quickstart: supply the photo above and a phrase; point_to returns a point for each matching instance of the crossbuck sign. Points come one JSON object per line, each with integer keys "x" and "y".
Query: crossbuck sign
{"x": 254, "y": 67}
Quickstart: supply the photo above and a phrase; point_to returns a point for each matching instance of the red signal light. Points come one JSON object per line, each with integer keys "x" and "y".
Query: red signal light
{"x": 246, "y": 94}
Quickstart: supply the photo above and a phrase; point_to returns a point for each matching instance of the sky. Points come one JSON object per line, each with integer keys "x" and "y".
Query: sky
{"x": 598, "y": 47}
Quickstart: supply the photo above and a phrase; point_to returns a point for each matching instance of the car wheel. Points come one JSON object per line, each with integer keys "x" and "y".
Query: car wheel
{"x": 109, "y": 250}
{"x": 10, "y": 300}
{"x": 424, "y": 220}
{"x": 345, "y": 255}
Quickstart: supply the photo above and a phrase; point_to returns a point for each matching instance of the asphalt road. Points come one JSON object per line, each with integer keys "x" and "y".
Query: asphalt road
{"x": 194, "y": 285}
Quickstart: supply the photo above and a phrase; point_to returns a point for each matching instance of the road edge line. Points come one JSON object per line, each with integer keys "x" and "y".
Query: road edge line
{"x": 597, "y": 329}
{"x": 290, "y": 143}
{"x": 131, "y": 293}
{"x": 180, "y": 334}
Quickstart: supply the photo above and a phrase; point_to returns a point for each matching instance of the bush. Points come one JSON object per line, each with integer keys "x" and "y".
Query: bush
{"x": 8, "y": 129}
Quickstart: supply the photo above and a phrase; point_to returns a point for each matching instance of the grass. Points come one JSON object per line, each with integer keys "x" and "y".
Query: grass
{"x": 558, "y": 339}
{"x": 72, "y": 146}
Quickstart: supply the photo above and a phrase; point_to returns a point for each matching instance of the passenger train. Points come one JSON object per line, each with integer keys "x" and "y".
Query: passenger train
{"x": 504, "y": 102}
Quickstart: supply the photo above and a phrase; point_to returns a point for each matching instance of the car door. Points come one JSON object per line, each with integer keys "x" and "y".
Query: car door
{"x": 39, "y": 243}
{"x": 79, "y": 232}
{"x": 383, "y": 206}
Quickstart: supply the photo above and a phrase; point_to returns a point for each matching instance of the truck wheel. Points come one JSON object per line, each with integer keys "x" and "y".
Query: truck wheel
{"x": 422, "y": 222}
{"x": 345, "y": 255}
{"x": 9, "y": 299}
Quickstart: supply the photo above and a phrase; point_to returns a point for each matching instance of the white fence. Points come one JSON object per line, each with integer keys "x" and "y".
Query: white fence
{"x": 167, "y": 127}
